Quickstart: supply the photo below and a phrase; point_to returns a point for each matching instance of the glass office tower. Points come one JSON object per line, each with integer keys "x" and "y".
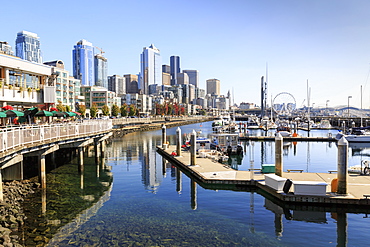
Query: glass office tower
{"x": 83, "y": 63}
{"x": 27, "y": 47}
{"x": 175, "y": 68}
{"x": 151, "y": 68}
{"x": 101, "y": 71}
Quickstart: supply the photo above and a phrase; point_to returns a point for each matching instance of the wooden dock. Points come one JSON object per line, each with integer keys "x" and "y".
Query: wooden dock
{"x": 291, "y": 138}
{"x": 214, "y": 175}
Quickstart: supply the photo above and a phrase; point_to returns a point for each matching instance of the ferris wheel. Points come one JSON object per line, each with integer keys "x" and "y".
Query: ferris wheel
{"x": 284, "y": 103}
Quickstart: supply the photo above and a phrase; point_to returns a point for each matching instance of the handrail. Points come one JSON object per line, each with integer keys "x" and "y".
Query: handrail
{"x": 12, "y": 137}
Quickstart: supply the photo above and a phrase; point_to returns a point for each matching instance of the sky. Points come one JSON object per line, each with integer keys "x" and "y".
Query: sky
{"x": 301, "y": 45}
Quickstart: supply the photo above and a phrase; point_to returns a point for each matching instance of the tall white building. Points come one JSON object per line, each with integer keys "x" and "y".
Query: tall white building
{"x": 151, "y": 68}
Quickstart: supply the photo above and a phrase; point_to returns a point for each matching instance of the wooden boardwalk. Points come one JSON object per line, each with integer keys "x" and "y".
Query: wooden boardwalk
{"x": 213, "y": 173}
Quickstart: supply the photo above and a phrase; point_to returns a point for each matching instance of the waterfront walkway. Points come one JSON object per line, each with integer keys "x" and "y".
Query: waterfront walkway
{"x": 209, "y": 172}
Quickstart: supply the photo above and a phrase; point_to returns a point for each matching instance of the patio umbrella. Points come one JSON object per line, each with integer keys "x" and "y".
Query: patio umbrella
{"x": 31, "y": 111}
{"x": 44, "y": 114}
{"x": 76, "y": 112}
{"x": 71, "y": 114}
{"x": 2, "y": 114}
{"x": 14, "y": 113}
{"x": 8, "y": 107}
{"x": 59, "y": 114}
{"x": 53, "y": 109}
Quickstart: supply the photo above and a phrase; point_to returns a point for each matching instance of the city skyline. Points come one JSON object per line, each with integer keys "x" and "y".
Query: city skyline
{"x": 322, "y": 42}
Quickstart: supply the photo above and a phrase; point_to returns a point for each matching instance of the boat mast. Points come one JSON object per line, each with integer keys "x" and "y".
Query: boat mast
{"x": 308, "y": 103}
{"x": 361, "y": 106}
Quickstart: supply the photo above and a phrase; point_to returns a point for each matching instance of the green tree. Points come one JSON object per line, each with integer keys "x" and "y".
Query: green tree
{"x": 202, "y": 112}
{"x": 124, "y": 110}
{"x": 82, "y": 110}
{"x": 115, "y": 110}
{"x": 94, "y": 110}
{"x": 105, "y": 110}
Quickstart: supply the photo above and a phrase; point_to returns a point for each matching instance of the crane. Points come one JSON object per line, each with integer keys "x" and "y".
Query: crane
{"x": 100, "y": 49}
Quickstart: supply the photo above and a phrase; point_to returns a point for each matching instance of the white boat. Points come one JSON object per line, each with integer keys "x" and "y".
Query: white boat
{"x": 284, "y": 130}
{"x": 357, "y": 135}
{"x": 360, "y": 169}
{"x": 324, "y": 124}
{"x": 227, "y": 143}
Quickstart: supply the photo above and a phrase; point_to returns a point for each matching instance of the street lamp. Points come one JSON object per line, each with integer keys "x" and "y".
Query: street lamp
{"x": 348, "y": 104}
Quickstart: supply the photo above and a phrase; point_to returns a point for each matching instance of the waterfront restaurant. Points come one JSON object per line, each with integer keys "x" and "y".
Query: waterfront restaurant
{"x": 24, "y": 84}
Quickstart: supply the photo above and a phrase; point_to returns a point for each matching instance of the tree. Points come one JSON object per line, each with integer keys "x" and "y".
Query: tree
{"x": 132, "y": 110}
{"x": 170, "y": 109}
{"x": 60, "y": 106}
{"x": 68, "y": 108}
{"x": 182, "y": 110}
{"x": 94, "y": 110}
{"x": 124, "y": 110}
{"x": 115, "y": 110}
{"x": 105, "y": 110}
{"x": 82, "y": 110}
{"x": 202, "y": 112}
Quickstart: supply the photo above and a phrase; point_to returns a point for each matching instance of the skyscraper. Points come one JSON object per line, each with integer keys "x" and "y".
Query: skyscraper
{"x": 151, "y": 68}
{"x": 213, "y": 86}
{"x": 193, "y": 76}
{"x": 83, "y": 62}
{"x": 175, "y": 68}
{"x": 5, "y": 48}
{"x": 27, "y": 47}
{"x": 101, "y": 70}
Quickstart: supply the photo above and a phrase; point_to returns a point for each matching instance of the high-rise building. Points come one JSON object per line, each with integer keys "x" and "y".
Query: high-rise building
{"x": 27, "y": 47}
{"x": 175, "y": 68}
{"x": 5, "y": 48}
{"x": 117, "y": 84}
{"x": 213, "y": 86}
{"x": 101, "y": 70}
{"x": 166, "y": 69}
{"x": 131, "y": 83}
{"x": 193, "y": 76}
{"x": 182, "y": 78}
{"x": 151, "y": 68}
{"x": 166, "y": 79}
{"x": 83, "y": 62}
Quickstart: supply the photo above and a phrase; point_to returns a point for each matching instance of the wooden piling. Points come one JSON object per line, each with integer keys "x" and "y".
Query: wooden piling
{"x": 193, "y": 150}
{"x": 342, "y": 166}
{"x": 279, "y": 155}
{"x": 178, "y": 141}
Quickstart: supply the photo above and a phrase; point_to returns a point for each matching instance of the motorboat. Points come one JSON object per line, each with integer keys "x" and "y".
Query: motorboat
{"x": 283, "y": 129}
{"x": 227, "y": 143}
{"x": 359, "y": 134}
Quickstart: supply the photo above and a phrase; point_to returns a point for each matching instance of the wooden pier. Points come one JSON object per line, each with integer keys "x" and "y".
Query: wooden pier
{"x": 243, "y": 137}
{"x": 211, "y": 174}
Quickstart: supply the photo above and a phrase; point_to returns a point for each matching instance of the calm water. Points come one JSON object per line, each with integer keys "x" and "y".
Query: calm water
{"x": 147, "y": 206}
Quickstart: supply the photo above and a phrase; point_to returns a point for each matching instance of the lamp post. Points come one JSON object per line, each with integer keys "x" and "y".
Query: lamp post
{"x": 348, "y": 104}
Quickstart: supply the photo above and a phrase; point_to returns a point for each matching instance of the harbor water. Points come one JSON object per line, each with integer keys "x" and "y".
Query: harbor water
{"x": 145, "y": 201}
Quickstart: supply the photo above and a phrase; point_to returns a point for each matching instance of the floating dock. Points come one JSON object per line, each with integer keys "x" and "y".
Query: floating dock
{"x": 211, "y": 174}
{"x": 243, "y": 137}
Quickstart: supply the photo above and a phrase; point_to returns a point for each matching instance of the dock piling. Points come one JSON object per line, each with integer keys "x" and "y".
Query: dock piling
{"x": 178, "y": 141}
{"x": 164, "y": 142}
{"x": 342, "y": 166}
{"x": 193, "y": 150}
{"x": 279, "y": 154}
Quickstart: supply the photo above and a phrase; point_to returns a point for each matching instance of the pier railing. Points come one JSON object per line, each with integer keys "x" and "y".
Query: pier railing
{"x": 12, "y": 137}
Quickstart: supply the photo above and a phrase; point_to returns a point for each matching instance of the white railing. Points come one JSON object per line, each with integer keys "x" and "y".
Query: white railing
{"x": 12, "y": 137}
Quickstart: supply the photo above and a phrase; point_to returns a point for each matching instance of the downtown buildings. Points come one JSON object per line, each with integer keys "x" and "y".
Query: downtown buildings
{"x": 89, "y": 83}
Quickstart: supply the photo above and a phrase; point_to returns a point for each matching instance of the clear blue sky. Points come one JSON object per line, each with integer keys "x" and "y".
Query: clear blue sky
{"x": 326, "y": 42}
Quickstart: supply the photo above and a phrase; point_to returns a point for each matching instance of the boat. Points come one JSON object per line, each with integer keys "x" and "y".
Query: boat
{"x": 324, "y": 124}
{"x": 220, "y": 122}
{"x": 227, "y": 143}
{"x": 283, "y": 129}
{"x": 360, "y": 169}
{"x": 359, "y": 134}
